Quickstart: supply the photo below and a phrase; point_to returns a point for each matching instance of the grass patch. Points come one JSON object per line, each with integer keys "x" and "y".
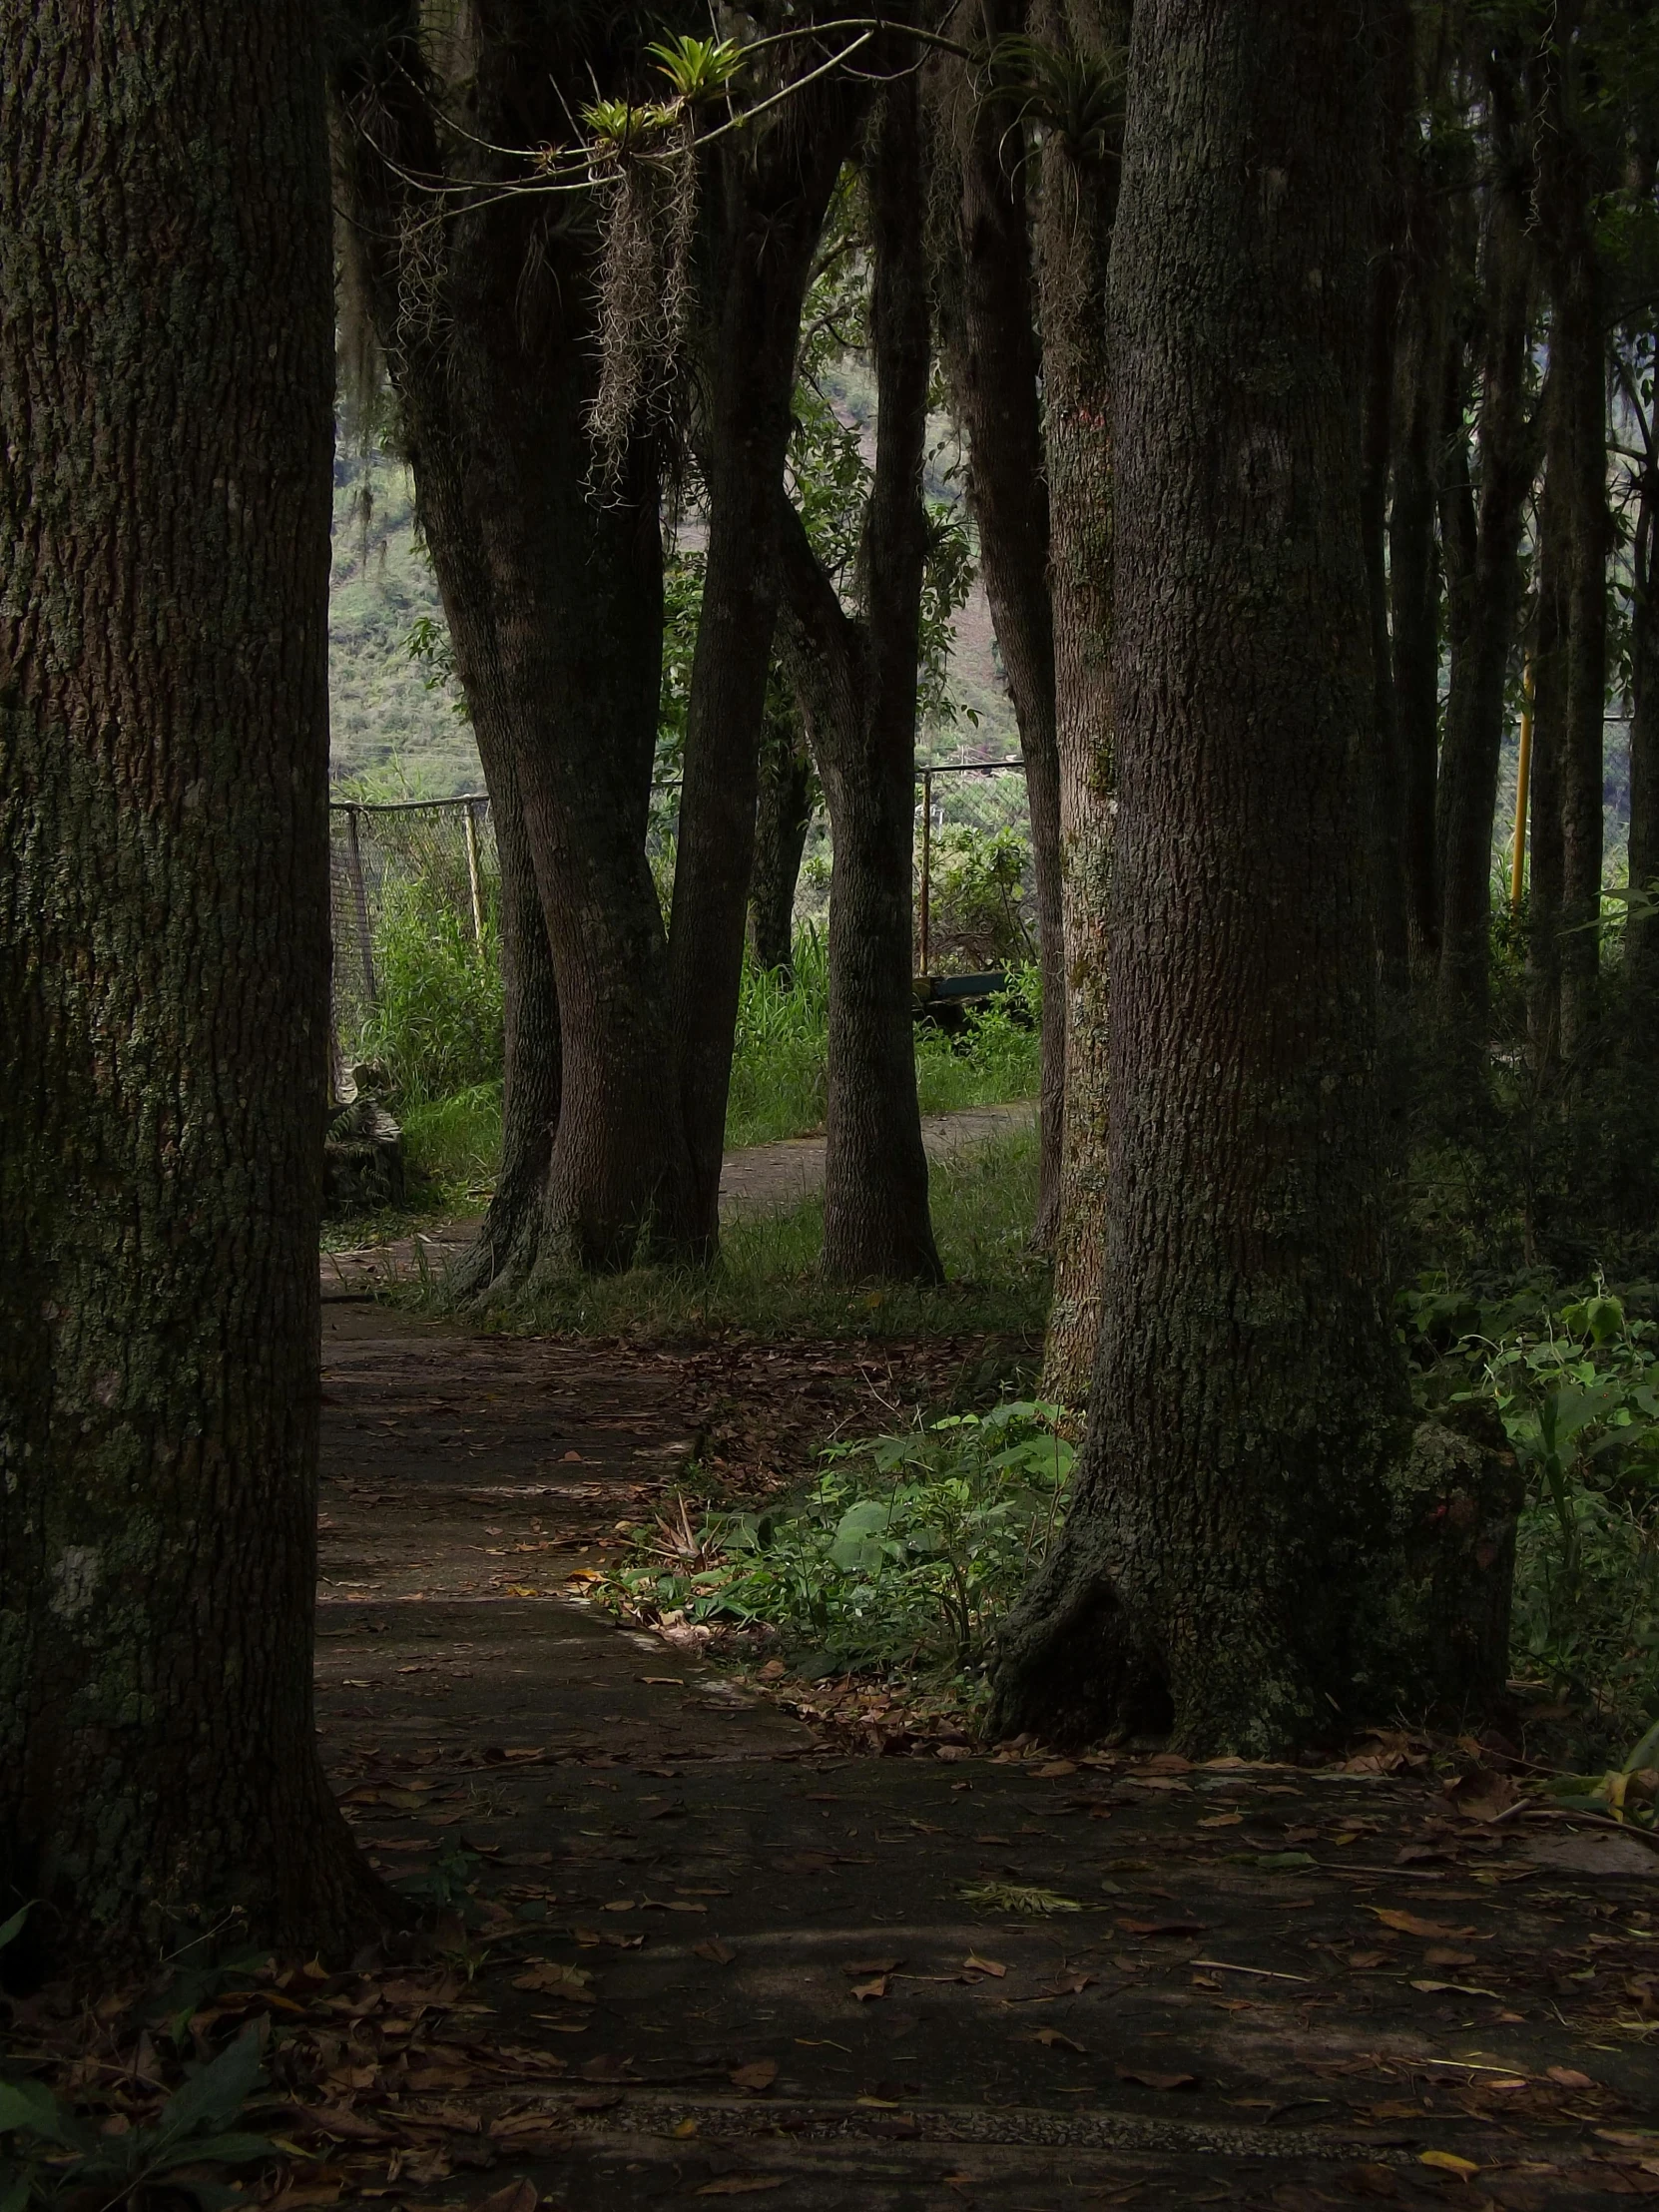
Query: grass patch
{"x": 453, "y": 1146}
{"x": 765, "y": 1280}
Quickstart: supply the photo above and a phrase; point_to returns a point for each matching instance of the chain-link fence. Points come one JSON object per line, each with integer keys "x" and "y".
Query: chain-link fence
{"x": 438, "y": 854}
{"x": 437, "y": 860}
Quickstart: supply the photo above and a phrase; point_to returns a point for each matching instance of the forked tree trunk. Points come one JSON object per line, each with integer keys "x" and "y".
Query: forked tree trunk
{"x": 989, "y": 350}
{"x": 166, "y": 375}
{"x": 485, "y": 312}
{"x": 1077, "y": 209}
{"x": 1227, "y": 1519}
{"x": 772, "y": 203}
{"x": 1468, "y": 796}
{"x": 781, "y": 820}
{"x": 856, "y": 681}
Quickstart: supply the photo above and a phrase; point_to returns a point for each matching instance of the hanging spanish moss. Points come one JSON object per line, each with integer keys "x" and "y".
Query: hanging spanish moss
{"x": 644, "y": 281}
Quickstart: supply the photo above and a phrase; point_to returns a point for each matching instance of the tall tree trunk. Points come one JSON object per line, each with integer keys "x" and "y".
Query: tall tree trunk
{"x": 989, "y": 347}
{"x": 1549, "y": 714}
{"x": 1077, "y": 210}
{"x": 532, "y": 1060}
{"x": 781, "y": 820}
{"x": 486, "y": 315}
{"x": 1641, "y": 943}
{"x": 1248, "y": 1396}
{"x": 856, "y": 680}
{"x": 1578, "y": 334}
{"x": 166, "y": 373}
{"x": 1391, "y": 31}
{"x": 772, "y": 200}
{"x": 1467, "y": 798}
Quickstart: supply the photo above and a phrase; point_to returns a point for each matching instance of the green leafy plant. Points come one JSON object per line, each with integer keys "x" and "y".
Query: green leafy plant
{"x": 905, "y": 1550}
{"x": 1576, "y": 1382}
{"x": 53, "y": 2151}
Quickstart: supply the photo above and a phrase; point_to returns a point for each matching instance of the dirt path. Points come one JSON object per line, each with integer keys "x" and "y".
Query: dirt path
{"x": 713, "y": 1952}
{"x": 759, "y": 1179}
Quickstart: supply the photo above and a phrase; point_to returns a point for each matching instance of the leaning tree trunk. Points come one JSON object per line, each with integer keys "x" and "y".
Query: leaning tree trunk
{"x": 772, "y": 202}
{"x": 486, "y": 314}
{"x": 856, "y": 681}
{"x": 166, "y": 373}
{"x": 1077, "y": 210}
{"x": 1248, "y": 1399}
{"x": 989, "y": 348}
{"x": 781, "y": 820}
{"x": 532, "y": 1061}
{"x": 1467, "y": 796}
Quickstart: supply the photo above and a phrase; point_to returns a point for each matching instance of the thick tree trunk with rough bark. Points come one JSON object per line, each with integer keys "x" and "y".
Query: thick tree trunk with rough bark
{"x": 989, "y": 348}
{"x": 486, "y": 316}
{"x": 1468, "y": 796}
{"x": 1227, "y": 1520}
{"x": 772, "y": 201}
{"x": 781, "y": 820}
{"x": 166, "y": 373}
{"x": 1577, "y": 333}
{"x": 1549, "y": 703}
{"x": 1641, "y": 943}
{"x": 855, "y": 676}
{"x": 1080, "y": 203}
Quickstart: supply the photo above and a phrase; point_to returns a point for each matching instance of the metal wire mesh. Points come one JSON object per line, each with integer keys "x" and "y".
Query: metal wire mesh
{"x": 443, "y": 848}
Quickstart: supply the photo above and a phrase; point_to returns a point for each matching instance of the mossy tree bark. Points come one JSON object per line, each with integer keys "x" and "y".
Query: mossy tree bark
{"x": 485, "y": 308}
{"x": 771, "y": 187}
{"x": 1076, "y": 212}
{"x": 166, "y": 378}
{"x": 1230, "y": 1515}
{"x": 855, "y": 676}
{"x": 988, "y": 344}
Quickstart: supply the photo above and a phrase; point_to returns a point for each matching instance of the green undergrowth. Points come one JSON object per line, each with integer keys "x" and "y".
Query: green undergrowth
{"x": 901, "y": 1555}
{"x": 766, "y": 1280}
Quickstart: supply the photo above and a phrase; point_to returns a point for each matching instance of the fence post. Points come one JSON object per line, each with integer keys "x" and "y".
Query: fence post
{"x": 926, "y": 860}
{"x": 360, "y": 896}
{"x": 472, "y": 873}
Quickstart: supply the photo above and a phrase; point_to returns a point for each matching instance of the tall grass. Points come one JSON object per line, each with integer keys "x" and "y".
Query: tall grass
{"x": 437, "y": 1027}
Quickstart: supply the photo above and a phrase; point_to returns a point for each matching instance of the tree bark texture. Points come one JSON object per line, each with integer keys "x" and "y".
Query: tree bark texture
{"x": 1074, "y": 235}
{"x": 855, "y": 676}
{"x": 1467, "y": 793}
{"x": 1551, "y": 627}
{"x": 1248, "y": 1400}
{"x": 1641, "y": 943}
{"x": 1568, "y": 183}
{"x": 165, "y": 376}
{"x": 773, "y": 189}
{"x": 781, "y": 820}
{"x": 486, "y": 314}
{"x": 1393, "y": 34}
{"x": 989, "y": 343}
{"x": 1414, "y": 567}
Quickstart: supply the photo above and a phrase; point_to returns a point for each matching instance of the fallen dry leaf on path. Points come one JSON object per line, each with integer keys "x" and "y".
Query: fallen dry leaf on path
{"x": 1449, "y": 2163}
{"x": 1146, "y": 2080}
{"x": 552, "y": 1979}
{"x": 738, "y": 2185}
{"x": 975, "y": 1964}
{"x": 865, "y": 1991}
{"x": 756, "y": 2077}
{"x": 722, "y": 1953}
{"x": 517, "y": 2196}
{"x": 856, "y": 1966}
{"x": 1408, "y": 1924}
{"x": 1052, "y": 2036}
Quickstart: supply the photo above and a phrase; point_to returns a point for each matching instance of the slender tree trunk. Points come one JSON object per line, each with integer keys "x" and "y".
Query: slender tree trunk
{"x": 1392, "y": 33}
{"x": 1468, "y": 798}
{"x": 1549, "y": 707}
{"x": 989, "y": 348}
{"x": 1578, "y": 332}
{"x": 1414, "y": 588}
{"x": 1641, "y": 943}
{"x": 1077, "y": 209}
{"x": 856, "y": 680}
{"x": 166, "y": 373}
{"x": 783, "y": 818}
{"x": 532, "y": 1061}
{"x": 1226, "y": 1523}
{"x": 486, "y": 316}
{"x": 772, "y": 202}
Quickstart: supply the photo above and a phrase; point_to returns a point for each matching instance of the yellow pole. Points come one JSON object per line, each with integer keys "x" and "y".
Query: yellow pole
{"x": 1523, "y": 780}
